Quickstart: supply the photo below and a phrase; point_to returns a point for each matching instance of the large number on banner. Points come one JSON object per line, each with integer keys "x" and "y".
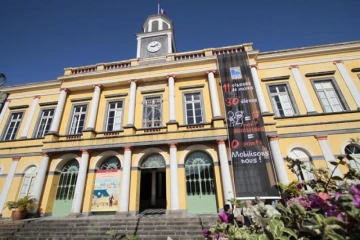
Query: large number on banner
{"x": 234, "y": 144}
{"x": 232, "y": 101}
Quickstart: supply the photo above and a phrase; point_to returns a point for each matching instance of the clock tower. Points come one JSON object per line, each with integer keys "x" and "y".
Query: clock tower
{"x": 157, "y": 38}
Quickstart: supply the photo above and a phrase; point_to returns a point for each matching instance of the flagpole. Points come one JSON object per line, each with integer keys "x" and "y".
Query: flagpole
{"x": 158, "y": 8}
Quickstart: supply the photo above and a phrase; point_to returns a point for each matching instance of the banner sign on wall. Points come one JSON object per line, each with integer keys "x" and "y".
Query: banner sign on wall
{"x": 249, "y": 147}
{"x": 106, "y": 191}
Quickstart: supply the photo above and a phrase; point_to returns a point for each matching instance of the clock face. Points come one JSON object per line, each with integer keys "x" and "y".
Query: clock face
{"x": 154, "y": 46}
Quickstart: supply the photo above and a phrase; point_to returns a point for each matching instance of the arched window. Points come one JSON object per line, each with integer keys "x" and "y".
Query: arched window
{"x": 110, "y": 163}
{"x": 354, "y": 152}
{"x": 302, "y": 174}
{"x": 154, "y": 161}
{"x": 199, "y": 170}
{"x": 28, "y": 182}
{"x": 155, "y": 26}
{"x": 165, "y": 26}
{"x": 200, "y": 183}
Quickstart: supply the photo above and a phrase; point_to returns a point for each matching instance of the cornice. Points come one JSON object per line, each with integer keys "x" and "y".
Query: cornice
{"x": 309, "y": 51}
{"x": 308, "y": 62}
{"x": 143, "y": 77}
{"x": 138, "y": 69}
{"x": 29, "y": 86}
{"x": 153, "y": 34}
{"x": 253, "y": 54}
{"x": 155, "y": 16}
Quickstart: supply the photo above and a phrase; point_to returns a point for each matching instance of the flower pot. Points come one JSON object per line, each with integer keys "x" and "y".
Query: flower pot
{"x": 18, "y": 215}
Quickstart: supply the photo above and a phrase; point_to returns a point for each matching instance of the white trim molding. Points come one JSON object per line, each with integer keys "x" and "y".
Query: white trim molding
{"x": 305, "y": 148}
{"x": 198, "y": 147}
{"x": 61, "y": 161}
{"x": 103, "y": 156}
{"x": 146, "y": 152}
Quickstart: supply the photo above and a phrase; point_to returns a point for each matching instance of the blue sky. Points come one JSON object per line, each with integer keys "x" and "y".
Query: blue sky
{"x": 39, "y": 38}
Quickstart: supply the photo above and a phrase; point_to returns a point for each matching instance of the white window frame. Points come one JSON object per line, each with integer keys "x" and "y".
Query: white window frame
{"x": 355, "y": 162}
{"x": 336, "y": 91}
{"x": 27, "y": 186}
{"x": 155, "y": 103}
{"x": 327, "y": 92}
{"x": 73, "y": 130}
{"x": 118, "y": 118}
{"x": 193, "y": 102}
{"x": 44, "y": 127}
{"x": 17, "y": 122}
{"x": 303, "y": 174}
{"x": 281, "y": 95}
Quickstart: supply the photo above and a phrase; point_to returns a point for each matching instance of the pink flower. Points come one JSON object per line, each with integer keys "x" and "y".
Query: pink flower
{"x": 337, "y": 195}
{"x": 334, "y": 212}
{"x": 323, "y": 196}
{"x": 356, "y": 201}
{"x": 206, "y": 233}
{"x": 302, "y": 201}
{"x": 355, "y": 189}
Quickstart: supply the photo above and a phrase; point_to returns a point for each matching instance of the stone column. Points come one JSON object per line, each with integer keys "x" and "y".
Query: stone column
{"x": 169, "y": 43}
{"x": 153, "y": 188}
{"x": 171, "y": 83}
{"x": 59, "y": 110}
{"x": 302, "y": 89}
{"x": 80, "y": 183}
{"x": 94, "y": 107}
{"x": 125, "y": 183}
{"x": 138, "y": 47}
{"x": 258, "y": 90}
{"x": 174, "y": 182}
{"x": 278, "y": 160}
{"x": 349, "y": 82}
{"x": 40, "y": 177}
{"x": 8, "y": 181}
{"x": 225, "y": 172}
{"x": 132, "y": 99}
{"x": 30, "y": 117}
{"x": 6, "y": 105}
{"x": 215, "y": 105}
{"x": 327, "y": 152}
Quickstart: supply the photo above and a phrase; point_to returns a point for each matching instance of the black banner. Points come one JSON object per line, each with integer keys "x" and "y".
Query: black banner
{"x": 249, "y": 147}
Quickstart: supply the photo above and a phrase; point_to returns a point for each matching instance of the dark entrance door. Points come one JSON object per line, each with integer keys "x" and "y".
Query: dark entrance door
{"x": 153, "y": 183}
{"x": 152, "y": 189}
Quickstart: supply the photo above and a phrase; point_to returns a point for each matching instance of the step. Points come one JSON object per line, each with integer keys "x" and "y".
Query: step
{"x": 106, "y": 228}
{"x": 149, "y": 237}
{"x": 97, "y": 233}
{"x": 49, "y": 222}
{"x": 111, "y": 224}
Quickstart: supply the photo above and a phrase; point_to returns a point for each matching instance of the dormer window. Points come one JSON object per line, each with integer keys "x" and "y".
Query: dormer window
{"x": 155, "y": 26}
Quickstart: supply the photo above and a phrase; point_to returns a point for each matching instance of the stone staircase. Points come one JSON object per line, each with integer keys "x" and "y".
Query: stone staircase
{"x": 184, "y": 228}
{"x": 8, "y": 228}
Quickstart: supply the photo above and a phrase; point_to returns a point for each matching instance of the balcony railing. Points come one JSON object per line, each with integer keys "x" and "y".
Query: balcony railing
{"x": 211, "y": 52}
{"x": 189, "y": 55}
{"x": 83, "y": 70}
{"x": 117, "y": 65}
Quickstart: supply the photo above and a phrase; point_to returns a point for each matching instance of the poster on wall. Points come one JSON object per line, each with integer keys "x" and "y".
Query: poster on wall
{"x": 106, "y": 191}
{"x": 251, "y": 159}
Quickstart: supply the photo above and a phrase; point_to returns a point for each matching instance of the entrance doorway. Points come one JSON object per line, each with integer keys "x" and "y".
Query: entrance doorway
{"x": 153, "y": 183}
{"x": 200, "y": 184}
{"x": 66, "y": 189}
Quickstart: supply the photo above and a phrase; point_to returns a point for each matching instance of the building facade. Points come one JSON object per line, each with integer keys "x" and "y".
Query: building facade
{"x": 151, "y": 132}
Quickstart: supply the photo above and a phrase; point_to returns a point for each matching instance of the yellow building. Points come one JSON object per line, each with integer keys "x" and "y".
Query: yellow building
{"x": 152, "y": 132}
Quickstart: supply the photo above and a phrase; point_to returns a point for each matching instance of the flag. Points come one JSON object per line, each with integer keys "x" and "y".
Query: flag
{"x": 162, "y": 11}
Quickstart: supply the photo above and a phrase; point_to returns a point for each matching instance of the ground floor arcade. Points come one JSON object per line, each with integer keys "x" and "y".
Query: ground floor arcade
{"x": 184, "y": 177}
{"x": 175, "y": 177}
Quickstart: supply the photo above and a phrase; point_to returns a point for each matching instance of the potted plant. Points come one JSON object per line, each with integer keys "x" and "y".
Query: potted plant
{"x": 21, "y": 207}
